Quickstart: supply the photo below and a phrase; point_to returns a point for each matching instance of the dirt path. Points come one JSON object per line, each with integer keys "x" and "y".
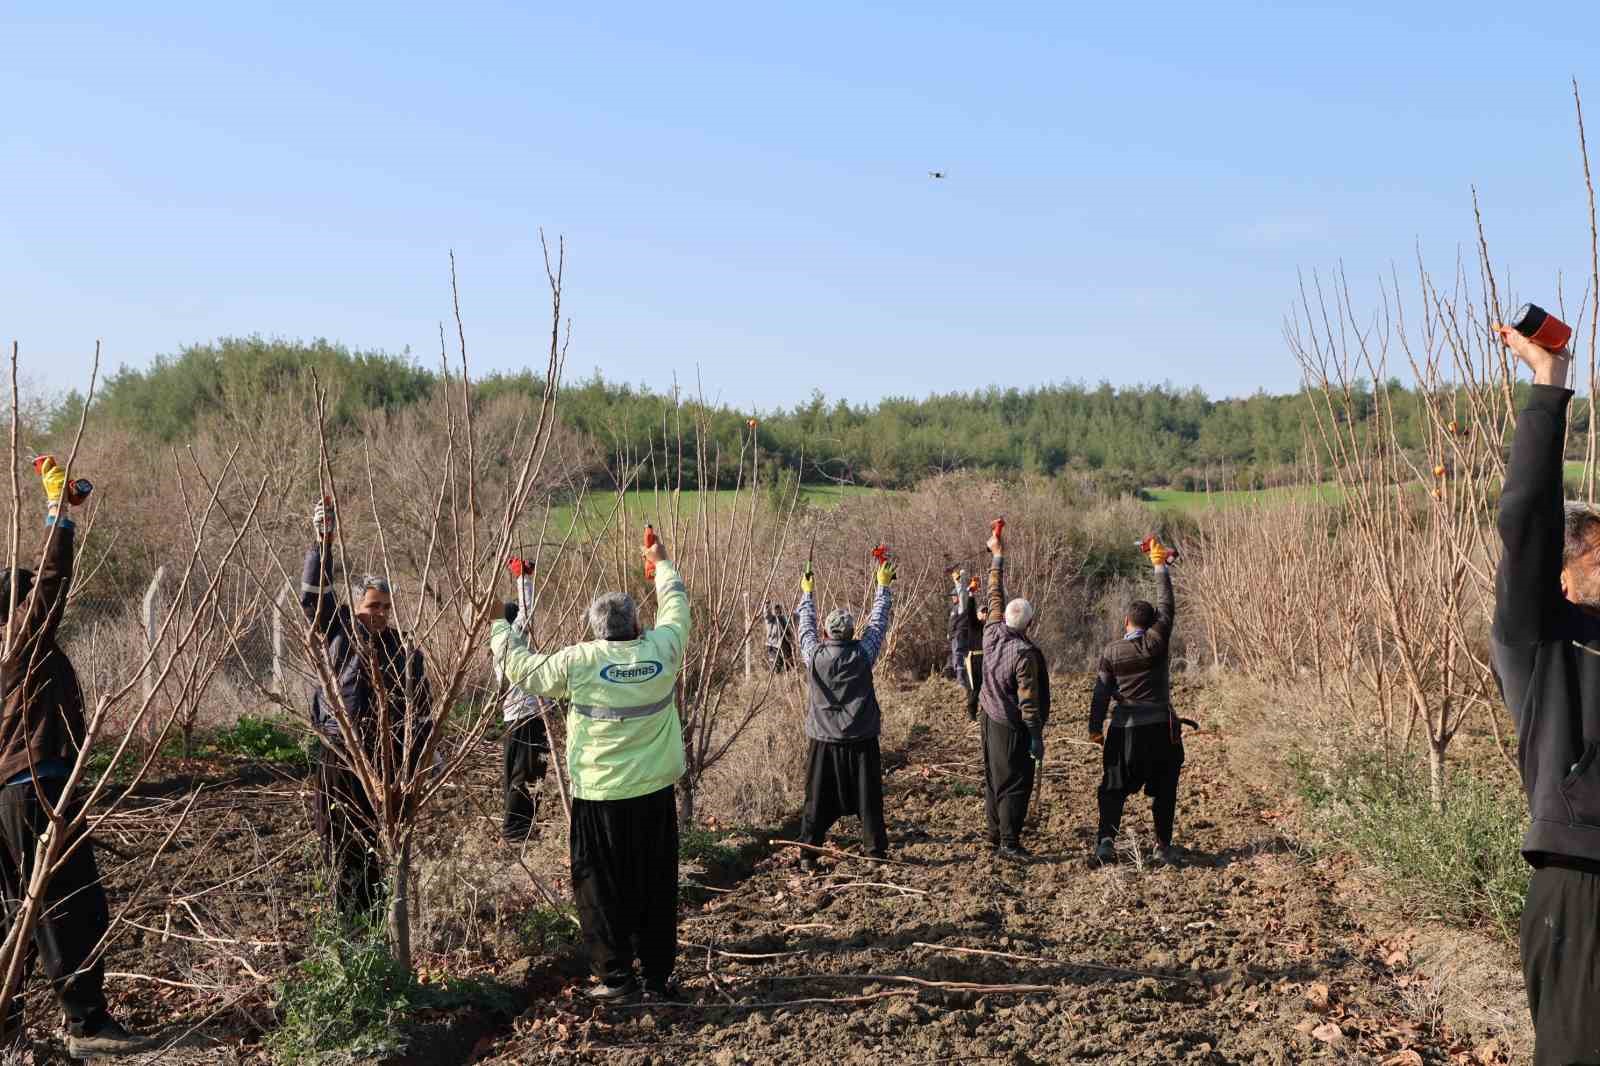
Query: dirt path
{"x": 1244, "y": 954}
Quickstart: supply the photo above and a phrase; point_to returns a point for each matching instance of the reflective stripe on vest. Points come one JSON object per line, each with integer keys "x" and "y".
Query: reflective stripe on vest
{"x": 618, "y": 714}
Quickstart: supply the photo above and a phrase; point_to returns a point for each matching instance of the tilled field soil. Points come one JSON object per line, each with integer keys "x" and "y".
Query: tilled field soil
{"x": 1247, "y": 952}
{"x": 1242, "y": 954}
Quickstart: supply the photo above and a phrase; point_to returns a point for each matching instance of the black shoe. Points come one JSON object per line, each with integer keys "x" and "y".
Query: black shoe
{"x": 808, "y": 864}
{"x": 662, "y": 990}
{"x": 1014, "y": 852}
{"x": 877, "y": 856}
{"x": 1106, "y": 853}
{"x": 609, "y": 992}
{"x": 1165, "y": 855}
{"x": 108, "y": 1041}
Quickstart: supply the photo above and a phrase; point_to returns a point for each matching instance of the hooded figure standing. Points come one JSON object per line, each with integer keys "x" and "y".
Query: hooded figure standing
{"x": 1015, "y": 699}
{"x": 845, "y": 768}
{"x": 624, "y": 754}
{"x": 1144, "y": 745}
{"x": 526, "y": 745}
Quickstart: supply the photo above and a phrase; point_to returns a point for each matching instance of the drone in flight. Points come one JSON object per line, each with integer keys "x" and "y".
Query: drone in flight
{"x": 936, "y": 174}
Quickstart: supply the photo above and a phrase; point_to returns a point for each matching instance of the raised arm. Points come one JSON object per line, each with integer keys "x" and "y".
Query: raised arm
{"x": 1528, "y": 585}
{"x": 882, "y": 613}
{"x": 806, "y": 615}
{"x": 316, "y": 591}
{"x": 38, "y": 613}
{"x": 1166, "y": 604}
{"x": 671, "y": 632}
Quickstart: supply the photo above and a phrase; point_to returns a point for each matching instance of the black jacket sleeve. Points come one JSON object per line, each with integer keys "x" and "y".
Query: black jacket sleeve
{"x": 1105, "y": 690}
{"x": 39, "y": 613}
{"x": 316, "y": 594}
{"x": 1528, "y": 585}
{"x": 1166, "y": 608}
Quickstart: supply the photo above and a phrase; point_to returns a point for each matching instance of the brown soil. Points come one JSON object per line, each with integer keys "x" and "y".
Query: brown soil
{"x": 1246, "y": 953}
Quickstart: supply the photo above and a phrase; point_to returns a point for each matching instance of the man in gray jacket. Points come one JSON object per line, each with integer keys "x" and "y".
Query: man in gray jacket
{"x": 845, "y": 769}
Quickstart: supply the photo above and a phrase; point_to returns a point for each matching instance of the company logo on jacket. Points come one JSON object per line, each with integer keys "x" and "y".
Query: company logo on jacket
{"x": 632, "y": 673}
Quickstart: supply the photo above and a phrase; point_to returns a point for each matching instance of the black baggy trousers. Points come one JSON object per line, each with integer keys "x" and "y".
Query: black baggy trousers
{"x": 1560, "y": 949}
{"x": 842, "y": 778}
{"x": 527, "y": 752}
{"x": 1007, "y": 779}
{"x": 1140, "y": 757}
{"x": 348, "y": 829}
{"x": 625, "y": 881}
{"x": 75, "y": 915}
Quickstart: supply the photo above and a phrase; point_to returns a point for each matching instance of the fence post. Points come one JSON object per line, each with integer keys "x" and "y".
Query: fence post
{"x": 152, "y": 620}
{"x": 278, "y": 607}
{"x": 749, "y": 621}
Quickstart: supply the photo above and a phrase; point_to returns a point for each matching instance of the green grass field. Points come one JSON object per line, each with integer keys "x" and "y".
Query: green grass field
{"x": 645, "y": 506}
{"x": 1180, "y": 502}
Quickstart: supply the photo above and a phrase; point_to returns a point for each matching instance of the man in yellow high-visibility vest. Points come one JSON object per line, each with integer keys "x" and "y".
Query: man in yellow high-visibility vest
{"x": 624, "y": 754}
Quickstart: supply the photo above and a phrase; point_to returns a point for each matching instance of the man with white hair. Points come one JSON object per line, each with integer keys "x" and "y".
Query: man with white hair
{"x": 1015, "y": 699}
{"x": 624, "y": 755}
{"x": 845, "y": 769}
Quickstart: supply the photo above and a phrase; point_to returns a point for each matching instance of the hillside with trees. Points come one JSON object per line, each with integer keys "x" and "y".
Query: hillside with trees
{"x": 1115, "y": 439}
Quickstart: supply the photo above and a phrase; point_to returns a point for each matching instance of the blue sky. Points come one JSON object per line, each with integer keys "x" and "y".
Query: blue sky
{"x": 744, "y": 188}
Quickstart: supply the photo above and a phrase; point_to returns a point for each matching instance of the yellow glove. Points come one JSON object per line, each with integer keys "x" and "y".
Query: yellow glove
{"x": 886, "y": 575}
{"x": 1159, "y": 553}
{"x": 808, "y": 580}
{"x": 53, "y": 476}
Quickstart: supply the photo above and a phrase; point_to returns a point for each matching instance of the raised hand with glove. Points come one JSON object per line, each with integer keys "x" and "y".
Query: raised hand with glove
{"x": 57, "y": 489}
{"x": 1160, "y": 555}
{"x": 324, "y": 519}
{"x": 808, "y": 579}
{"x": 886, "y": 574}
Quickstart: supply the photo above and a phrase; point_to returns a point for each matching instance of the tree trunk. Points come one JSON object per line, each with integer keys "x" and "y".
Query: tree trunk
{"x": 1436, "y": 790}
{"x": 685, "y": 800}
{"x": 400, "y": 905}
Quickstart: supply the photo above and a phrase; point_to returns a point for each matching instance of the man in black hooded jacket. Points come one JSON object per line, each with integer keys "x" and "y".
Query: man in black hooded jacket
{"x": 1546, "y": 643}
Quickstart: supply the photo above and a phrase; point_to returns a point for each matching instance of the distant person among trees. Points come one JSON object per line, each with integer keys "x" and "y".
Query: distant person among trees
{"x": 966, "y": 638}
{"x": 844, "y": 770}
{"x": 780, "y": 638}
{"x": 624, "y": 755}
{"x": 1015, "y": 700}
{"x": 526, "y": 747}
{"x": 41, "y": 728}
{"x": 383, "y": 691}
{"x": 1545, "y": 640}
{"x": 1143, "y": 746}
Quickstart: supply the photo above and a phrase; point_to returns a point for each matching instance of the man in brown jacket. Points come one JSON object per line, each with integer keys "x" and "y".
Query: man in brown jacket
{"x": 41, "y": 728}
{"x": 1144, "y": 745}
{"x": 1015, "y": 698}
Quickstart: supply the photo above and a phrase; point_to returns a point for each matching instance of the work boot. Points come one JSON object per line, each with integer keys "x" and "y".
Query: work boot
{"x": 662, "y": 990}
{"x": 808, "y": 863}
{"x": 109, "y": 1040}
{"x": 1106, "y": 853}
{"x": 1014, "y": 852}
{"x": 1165, "y": 855}
{"x": 614, "y": 990}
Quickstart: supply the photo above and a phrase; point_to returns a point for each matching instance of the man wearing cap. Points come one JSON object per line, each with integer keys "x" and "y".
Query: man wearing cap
{"x": 844, "y": 772}
{"x": 624, "y": 755}
{"x": 1015, "y": 700}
